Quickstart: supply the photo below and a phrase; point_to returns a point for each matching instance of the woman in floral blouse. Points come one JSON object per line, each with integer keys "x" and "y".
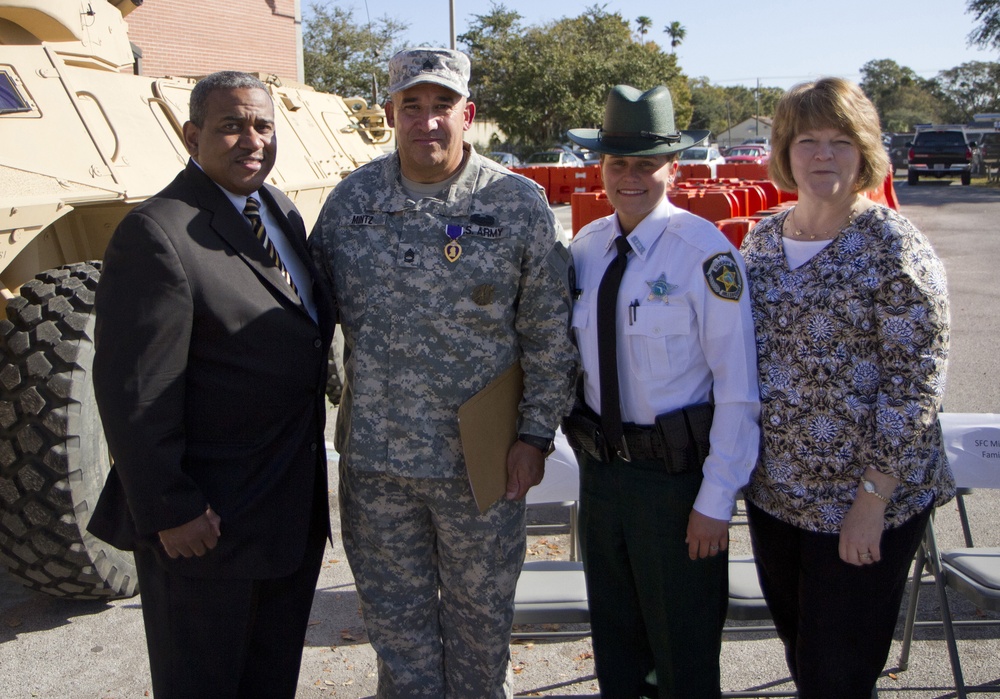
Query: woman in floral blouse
{"x": 851, "y": 312}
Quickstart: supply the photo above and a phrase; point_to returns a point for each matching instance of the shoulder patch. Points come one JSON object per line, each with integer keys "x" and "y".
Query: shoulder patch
{"x": 723, "y": 276}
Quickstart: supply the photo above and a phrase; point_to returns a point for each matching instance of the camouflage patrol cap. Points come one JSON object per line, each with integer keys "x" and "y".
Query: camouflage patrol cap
{"x": 429, "y": 65}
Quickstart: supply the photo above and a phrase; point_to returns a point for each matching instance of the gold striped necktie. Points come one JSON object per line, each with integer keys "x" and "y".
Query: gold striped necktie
{"x": 252, "y": 212}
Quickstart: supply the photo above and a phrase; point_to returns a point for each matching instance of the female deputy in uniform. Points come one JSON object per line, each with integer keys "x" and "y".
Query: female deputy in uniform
{"x": 851, "y": 316}
{"x": 667, "y": 432}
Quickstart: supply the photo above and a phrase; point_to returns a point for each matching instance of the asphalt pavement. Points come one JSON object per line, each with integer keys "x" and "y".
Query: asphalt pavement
{"x": 59, "y": 649}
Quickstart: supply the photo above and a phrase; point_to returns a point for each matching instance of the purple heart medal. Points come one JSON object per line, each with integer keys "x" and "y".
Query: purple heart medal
{"x": 452, "y": 250}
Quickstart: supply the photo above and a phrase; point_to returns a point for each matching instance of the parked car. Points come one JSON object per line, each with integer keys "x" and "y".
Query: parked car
{"x": 553, "y": 158}
{"x": 747, "y": 153}
{"x": 702, "y": 155}
{"x": 989, "y": 151}
{"x": 505, "y": 159}
{"x": 940, "y": 152}
{"x": 897, "y": 147}
{"x": 587, "y": 156}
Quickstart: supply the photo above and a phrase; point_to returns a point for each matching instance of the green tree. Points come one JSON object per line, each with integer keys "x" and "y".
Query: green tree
{"x": 969, "y": 89}
{"x": 710, "y": 106}
{"x": 643, "y": 24}
{"x": 719, "y": 108}
{"x": 901, "y": 97}
{"x": 987, "y": 12}
{"x": 494, "y": 42}
{"x": 574, "y": 62}
{"x": 768, "y": 100}
{"x": 347, "y": 58}
{"x": 676, "y": 32}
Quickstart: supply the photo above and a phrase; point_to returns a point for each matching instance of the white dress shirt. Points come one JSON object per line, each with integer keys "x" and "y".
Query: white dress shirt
{"x": 679, "y": 341}
{"x": 289, "y": 258}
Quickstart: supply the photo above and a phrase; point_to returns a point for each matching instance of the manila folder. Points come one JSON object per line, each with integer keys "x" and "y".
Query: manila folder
{"x": 487, "y": 423}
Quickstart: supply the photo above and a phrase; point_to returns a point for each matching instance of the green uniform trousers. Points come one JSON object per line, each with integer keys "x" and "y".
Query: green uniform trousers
{"x": 656, "y": 615}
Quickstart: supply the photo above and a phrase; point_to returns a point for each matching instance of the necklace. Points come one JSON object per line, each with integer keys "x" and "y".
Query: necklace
{"x": 825, "y": 235}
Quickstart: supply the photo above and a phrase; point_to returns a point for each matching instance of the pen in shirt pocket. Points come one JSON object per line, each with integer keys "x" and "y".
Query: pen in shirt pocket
{"x": 633, "y": 311}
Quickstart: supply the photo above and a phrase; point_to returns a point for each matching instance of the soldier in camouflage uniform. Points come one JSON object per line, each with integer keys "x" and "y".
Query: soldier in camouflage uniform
{"x": 446, "y": 269}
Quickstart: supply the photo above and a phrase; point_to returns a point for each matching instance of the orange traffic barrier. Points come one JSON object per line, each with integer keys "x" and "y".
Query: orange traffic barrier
{"x": 735, "y": 228}
{"x": 694, "y": 171}
{"x": 741, "y": 197}
{"x": 884, "y": 194}
{"x": 565, "y": 181}
{"x": 589, "y": 206}
{"x": 890, "y": 193}
{"x": 722, "y": 200}
{"x": 770, "y": 211}
{"x": 538, "y": 174}
{"x": 756, "y": 199}
{"x": 784, "y": 196}
{"x": 751, "y": 171}
{"x": 678, "y": 197}
{"x": 713, "y": 205}
{"x": 725, "y": 170}
{"x": 772, "y": 195}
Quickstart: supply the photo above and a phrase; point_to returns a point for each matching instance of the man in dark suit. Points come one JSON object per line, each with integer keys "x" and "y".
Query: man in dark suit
{"x": 210, "y": 365}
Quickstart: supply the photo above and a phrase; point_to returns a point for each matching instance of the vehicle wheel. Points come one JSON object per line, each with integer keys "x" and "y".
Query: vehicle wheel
{"x": 966, "y": 178}
{"x": 53, "y": 455}
{"x": 912, "y": 178}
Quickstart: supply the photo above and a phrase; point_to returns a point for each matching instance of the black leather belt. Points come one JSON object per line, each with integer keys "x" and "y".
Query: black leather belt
{"x": 679, "y": 439}
{"x": 639, "y": 443}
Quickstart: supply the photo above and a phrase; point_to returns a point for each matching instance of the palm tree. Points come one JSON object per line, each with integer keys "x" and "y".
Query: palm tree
{"x": 677, "y": 34}
{"x": 644, "y": 23}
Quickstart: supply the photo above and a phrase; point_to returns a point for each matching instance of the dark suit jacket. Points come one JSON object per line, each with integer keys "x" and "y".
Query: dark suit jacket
{"x": 209, "y": 379}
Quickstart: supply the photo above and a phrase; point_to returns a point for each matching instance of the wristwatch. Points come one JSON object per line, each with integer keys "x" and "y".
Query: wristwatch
{"x": 869, "y": 488}
{"x": 540, "y": 443}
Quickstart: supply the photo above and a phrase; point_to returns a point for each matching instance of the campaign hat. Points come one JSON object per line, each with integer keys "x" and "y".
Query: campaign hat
{"x": 637, "y": 123}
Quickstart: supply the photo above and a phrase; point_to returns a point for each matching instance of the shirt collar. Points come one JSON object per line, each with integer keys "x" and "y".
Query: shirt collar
{"x": 457, "y": 200}
{"x": 238, "y": 200}
{"x": 643, "y": 236}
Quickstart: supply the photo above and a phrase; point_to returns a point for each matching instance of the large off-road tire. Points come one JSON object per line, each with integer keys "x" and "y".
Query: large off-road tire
{"x": 53, "y": 455}
{"x": 966, "y": 179}
{"x": 912, "y": 178}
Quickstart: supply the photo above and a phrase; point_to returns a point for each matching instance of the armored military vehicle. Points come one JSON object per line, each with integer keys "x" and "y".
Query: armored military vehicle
{"x": 82, "y": 140}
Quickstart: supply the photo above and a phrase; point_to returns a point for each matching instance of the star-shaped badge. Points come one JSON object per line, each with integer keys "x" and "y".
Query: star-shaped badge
{"x": 727, "y": 279}
{"x": 659, "y": 289}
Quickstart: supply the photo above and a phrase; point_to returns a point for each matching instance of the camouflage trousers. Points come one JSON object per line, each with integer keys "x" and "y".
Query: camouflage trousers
{"x": 436, "y": 581}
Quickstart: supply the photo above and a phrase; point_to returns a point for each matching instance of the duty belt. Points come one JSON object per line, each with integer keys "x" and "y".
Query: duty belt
{"x": 679, "y": 439}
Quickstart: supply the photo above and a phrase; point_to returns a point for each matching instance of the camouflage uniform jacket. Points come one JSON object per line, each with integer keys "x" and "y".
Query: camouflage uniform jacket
{"x": 422, "y": 334}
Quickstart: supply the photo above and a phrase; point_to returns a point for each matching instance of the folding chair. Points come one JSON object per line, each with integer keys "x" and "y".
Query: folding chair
{"x": 554, "y": 591}
{"x": 746, "y": 601}
{"x": 972, "y": 444}
{"x": 560, "y": 486}
{"x": 551, "y": 592}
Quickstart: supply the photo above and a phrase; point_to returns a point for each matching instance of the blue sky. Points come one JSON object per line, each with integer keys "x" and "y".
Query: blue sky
{"x": 779, "y": 42}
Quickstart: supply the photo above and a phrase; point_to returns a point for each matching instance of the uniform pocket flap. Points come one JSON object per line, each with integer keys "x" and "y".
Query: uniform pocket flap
{"x": 652, "y": 321}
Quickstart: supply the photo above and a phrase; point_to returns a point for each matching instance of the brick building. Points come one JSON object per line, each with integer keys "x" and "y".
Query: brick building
{"x": 195, "y": 37}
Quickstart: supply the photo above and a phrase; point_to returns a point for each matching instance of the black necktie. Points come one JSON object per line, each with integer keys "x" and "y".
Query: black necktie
{"x": 607, "y": 340}
{"x": 252, "y": 211}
